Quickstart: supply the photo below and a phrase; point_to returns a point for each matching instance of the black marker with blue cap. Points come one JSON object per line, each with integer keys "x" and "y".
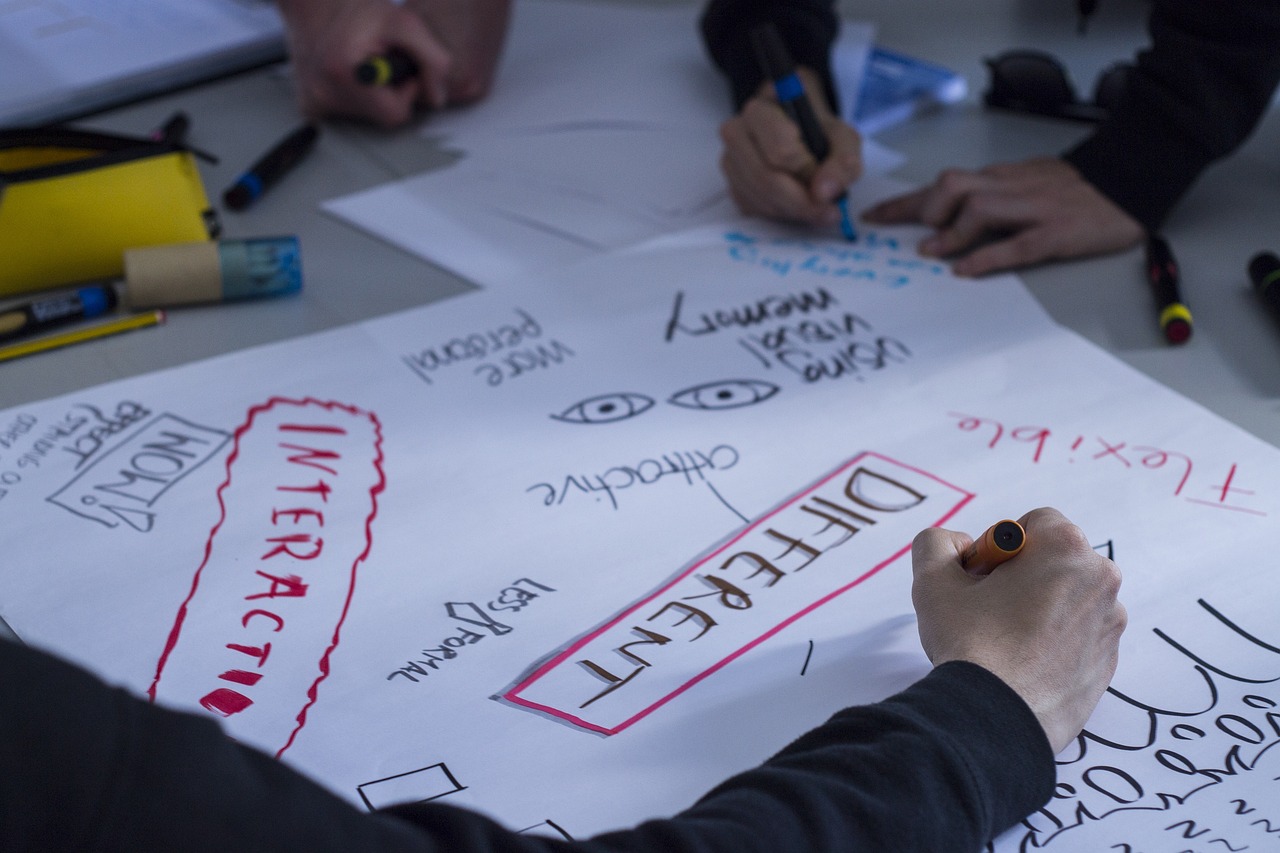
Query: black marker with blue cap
{"x": 778, "y": 66}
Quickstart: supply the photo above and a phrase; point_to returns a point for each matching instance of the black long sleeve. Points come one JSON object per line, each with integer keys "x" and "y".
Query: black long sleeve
{"x": 807, "y": 27}
{"x": 1193, "y": 98}
{"x": 944, "y": 765}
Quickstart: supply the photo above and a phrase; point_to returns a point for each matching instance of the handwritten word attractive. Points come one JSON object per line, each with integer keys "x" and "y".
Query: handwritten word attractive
{"x": 689, "y": 466}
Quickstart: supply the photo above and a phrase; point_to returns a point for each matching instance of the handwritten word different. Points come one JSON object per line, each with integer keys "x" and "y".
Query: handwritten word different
{"x": 873, "y": 260}
{"x": 498, "y": 354}
{"x": 689, "y": 466}
{"x": 511, "y": 599}
{"x": 1200, "y": 766}
{"x": 123, "y": 485}
{"x": 810, "y": 549}
{"x": 1222, "y": 491}
{"x": 254, "y": 637}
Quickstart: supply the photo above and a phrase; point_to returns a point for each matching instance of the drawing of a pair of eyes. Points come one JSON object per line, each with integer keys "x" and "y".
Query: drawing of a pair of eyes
{"x": 710, "y": 396}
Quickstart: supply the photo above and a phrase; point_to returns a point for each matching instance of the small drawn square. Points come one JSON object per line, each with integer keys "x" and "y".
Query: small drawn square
{"x": 414, "y": 786}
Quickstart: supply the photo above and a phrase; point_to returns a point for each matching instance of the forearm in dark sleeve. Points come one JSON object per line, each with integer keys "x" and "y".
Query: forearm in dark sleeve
{"x": 807, "y": 27}
{"x": 1193, "y": 98}
{"x": 946, "y": 764}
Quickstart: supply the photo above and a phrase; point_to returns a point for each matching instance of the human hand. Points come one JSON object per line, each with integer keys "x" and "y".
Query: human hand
{"x": 1046, "y": 622}
{"x": 1036, "y": 210}
{"x": 770, "y": 171}
{"x": 329, "y": 38}
{"x": 473, "y": 32}
{"x": 455, "y": 44}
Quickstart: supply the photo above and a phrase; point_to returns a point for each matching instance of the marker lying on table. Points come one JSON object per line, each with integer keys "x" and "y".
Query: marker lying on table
{"x": 389, "y": 69}
{"x": 271, "y": 168}
{"x": 1002, "y": 541}
{"x": 777, "y": 65}
{"x": 223, "y": 271}
{"x": 50, "y": 311}
{"x": 1162, "y": 272}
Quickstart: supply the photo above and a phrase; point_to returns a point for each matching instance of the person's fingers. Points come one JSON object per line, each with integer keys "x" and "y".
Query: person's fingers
{"x": 899, "y": 210}
{"x": 755, "y": 188}
{"x": 842, "y": 166}
{"x": 984, "y": 212}
{"x": 936, "y": 550}
{"x": 948, "y": 194}
{"x": 1018, "y": 250}
{"x": 433, "y": 59}
{"x": 776, "y": 138}
{"x": 758, "y": 187}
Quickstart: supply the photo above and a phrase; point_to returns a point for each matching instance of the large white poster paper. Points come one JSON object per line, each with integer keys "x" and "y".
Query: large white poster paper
{"x": 513, "y": 551}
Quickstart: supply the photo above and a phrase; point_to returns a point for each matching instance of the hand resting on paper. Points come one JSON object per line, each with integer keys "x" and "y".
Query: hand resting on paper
{"x": 771, "y": 173}
{"x": 1047, "y": 622}
{"x": 1011, "y": 215}
{"x": 454, "y": 43}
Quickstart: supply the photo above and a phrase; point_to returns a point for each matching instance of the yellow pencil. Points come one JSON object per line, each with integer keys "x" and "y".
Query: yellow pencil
{"x": 101, "y": 330}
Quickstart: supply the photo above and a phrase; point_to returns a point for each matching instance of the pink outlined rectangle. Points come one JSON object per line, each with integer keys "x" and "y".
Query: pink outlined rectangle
{"x": 939, "y": 498}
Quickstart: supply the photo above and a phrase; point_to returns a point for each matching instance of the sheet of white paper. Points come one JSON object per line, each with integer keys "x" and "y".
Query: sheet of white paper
{"x": 570, "y": 61}
{"x": 576, "y": 152}
{"x": 63, "y": 57}
{"x": 513, "y": 480}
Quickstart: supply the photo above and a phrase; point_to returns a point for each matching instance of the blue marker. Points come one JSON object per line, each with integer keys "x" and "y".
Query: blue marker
{"x": 777, "y": 65}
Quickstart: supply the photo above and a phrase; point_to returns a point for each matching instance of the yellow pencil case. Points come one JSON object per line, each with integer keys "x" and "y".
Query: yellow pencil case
{"x": 72, "y": 201}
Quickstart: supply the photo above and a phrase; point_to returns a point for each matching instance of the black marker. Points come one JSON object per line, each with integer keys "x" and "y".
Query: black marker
{"x": 1264, "y": 269}
{"x": 1162, "y": 271}
{"x": 778, "y": 67}
{"x": 270, "y": 168}
{"x": 390, "y": 69}
{"x": 174, "y": 130}
{"x": 42, "y": 314}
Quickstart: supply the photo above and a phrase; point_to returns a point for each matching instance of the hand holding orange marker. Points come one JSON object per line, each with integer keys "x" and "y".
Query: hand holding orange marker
{"x": 1002, "y": 541}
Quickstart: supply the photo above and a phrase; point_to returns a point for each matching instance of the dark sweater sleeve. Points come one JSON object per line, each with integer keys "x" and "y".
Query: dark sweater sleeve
{"x": 808, "y": 29}
{"x": 944, "y": 765}
{"x": 1192, "y": 98}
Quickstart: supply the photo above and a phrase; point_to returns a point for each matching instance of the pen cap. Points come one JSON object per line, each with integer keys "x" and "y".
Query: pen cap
{"x": 192, "y": 273}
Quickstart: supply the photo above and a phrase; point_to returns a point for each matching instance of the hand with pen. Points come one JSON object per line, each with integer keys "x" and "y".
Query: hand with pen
{"x": 1011, "y": 215}
{"x": 446, "y": 53}
{"x": 771, "y": 172}
{"x": 1047, "y": 621}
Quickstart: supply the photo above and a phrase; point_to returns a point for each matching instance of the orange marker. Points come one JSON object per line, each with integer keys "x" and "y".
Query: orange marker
{"x": 1003, "y": 540}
